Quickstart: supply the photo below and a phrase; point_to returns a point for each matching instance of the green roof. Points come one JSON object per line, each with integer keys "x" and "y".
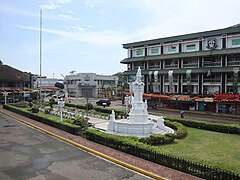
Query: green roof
{"x": 230, "y": 30}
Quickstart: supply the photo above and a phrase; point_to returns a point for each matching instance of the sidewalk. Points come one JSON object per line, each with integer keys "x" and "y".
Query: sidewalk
{"x": 154, "y": 168}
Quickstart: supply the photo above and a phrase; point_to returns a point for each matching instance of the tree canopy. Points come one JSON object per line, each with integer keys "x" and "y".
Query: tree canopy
{"x": 59, "y": 85}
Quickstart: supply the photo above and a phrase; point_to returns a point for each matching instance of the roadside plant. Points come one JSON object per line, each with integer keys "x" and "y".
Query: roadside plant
{"x": 80, "y": 121}
{"x": 35, "y": 109}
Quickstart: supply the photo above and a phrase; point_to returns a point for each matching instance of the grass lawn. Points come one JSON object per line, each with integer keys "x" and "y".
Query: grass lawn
{"x": 212, "y": 148}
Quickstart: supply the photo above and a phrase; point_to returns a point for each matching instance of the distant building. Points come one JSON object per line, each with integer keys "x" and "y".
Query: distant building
{"x": 12, "y": 79}
{"x": 88, "y": 84}
{"x": 200, "y": 63}
{"x": 46, "y": 83}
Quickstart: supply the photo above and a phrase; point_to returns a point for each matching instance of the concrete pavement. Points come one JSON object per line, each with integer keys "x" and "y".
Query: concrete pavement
{"x": 29, "y": 154}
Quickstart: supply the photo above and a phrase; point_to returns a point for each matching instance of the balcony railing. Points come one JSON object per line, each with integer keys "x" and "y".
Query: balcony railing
{"x": 233, "y": 63}
{"x": 168, "y": 66}
{"x": 189, "y": 65}
{"x": 218, "y": 80}
{"x": 174, "y": 80}
{"x": 212, "y": 64}
{"x": 192, "y": 80}
{"x": 154, "y": 67}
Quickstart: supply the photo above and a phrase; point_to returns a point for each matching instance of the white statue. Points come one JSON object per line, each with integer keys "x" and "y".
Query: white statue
{"x": 160, "y": 123}
{"x": 138, "y": 75}
{"x": 112, "y": 116}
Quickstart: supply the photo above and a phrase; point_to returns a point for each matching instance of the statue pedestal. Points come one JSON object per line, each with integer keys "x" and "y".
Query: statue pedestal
{"x": 138, "y": 123}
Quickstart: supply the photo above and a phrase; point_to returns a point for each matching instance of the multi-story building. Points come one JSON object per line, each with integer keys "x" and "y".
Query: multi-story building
{"x": 88, "y": 84}
{"x": 199, "y": 63}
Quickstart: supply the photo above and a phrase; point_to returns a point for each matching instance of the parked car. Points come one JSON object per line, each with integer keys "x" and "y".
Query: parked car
{"x": 103, "y": 102}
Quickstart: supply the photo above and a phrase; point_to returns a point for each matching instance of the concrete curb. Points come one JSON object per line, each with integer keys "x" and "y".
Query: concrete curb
{"x": 139, "y": 170}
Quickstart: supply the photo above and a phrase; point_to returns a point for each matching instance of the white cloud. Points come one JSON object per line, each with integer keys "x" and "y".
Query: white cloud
{"x": 67, "y": 16}
{"x": 107, "y": 38}
{"x": 53, "y": 4}
{"x": 11, "y": 10}
{"x": 93, "y": 3}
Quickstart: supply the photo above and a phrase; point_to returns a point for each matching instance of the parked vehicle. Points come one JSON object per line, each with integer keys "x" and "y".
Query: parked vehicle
{"x": 103, "y": 102}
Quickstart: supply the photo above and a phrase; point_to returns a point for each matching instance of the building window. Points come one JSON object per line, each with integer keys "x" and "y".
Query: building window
{"x": 171, "y": 49}
{"x": 236, "y": 42}
{"x": 154, "y": 51}
{"x": 191, "y": 47}
{"x": 139, "y": 52}
{"x": 86, "y": 78}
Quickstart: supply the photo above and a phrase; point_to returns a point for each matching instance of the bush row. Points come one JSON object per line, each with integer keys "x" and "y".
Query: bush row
{"x": 218, "y": 127}
{"x": 159, "y": 139}
{"x": 63, "y": 126}
{"x": 180, "y": 129}
{"x": 98, "y": 109}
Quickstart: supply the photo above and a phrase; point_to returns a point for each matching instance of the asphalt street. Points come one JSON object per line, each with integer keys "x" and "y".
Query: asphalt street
{"x": 26, "y": 153}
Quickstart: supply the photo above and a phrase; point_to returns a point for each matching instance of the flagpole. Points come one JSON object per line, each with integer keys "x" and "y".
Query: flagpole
{"x": 40, "y": 56}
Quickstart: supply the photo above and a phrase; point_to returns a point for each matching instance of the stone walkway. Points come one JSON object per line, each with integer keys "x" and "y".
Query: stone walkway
{"x": 162, "y": 171}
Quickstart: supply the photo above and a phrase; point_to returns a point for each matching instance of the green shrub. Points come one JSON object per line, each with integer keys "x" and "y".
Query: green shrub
{"x": 21, "y": 104}
{"x": 217, "y": 127}
{"x": 180, "y": 130}
{"x": 47, "y": 110}
{"x": 30, "y": 100}
{"x": 88, "y": 106}
{"x": 35, "y": 102}
{"x": 51, "y": 102}
{"x": 80, "y": 121}
{"x": 158, "y": 139}
{"x": 35, "y": 109}
{"x": 30, "y": 104}
{"x": 98, "y": 109}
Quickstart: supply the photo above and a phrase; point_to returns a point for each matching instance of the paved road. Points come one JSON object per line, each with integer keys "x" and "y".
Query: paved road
{"x": 26, "y": 153}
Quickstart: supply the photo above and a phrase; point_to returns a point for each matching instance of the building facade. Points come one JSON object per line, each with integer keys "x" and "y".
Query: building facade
{"x": 45, "y": 82}
{"x": 198, "y": 64}
{"x": 88, "y": 84}
{"x": 12, "y": 79}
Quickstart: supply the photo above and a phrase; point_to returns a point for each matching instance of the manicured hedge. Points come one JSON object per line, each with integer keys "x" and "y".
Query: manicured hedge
{"x": 218, "y": 127}
{"x": 180, "y": 130}
{"x": 98, "y": 109}
{"x": 63, "y": 126}
{"x": 159, "y": 139}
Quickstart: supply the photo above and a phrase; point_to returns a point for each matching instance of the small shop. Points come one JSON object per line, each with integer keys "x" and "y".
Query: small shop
{"x": 205, "y": 104}
{"x": 227, "y": 103}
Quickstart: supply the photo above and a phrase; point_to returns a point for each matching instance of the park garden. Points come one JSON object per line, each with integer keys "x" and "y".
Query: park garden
{"x": 207, "y": 150}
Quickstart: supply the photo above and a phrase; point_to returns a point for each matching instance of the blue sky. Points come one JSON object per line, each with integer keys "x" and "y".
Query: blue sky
{"x": 87, "y": 35}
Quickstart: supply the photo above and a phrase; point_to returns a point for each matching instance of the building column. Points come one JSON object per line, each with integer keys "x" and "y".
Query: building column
{"x": 179, "y": 83}
{"x": 161, "y": 83}
{"x": 200, "y": 83}
{"x": 223, "y": 89}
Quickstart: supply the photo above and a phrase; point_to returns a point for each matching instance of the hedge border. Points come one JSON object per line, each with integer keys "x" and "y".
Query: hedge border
{"x": 62, "y": 126}
{"x": 217, "y": 127}
{"x": 149, "y": 153}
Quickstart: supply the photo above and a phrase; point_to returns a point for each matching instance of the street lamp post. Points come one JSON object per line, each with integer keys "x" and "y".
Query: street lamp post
{"x": 61, "y": 105}
{"x": 40, "y": 56}
{"x": 5, "y": 97}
